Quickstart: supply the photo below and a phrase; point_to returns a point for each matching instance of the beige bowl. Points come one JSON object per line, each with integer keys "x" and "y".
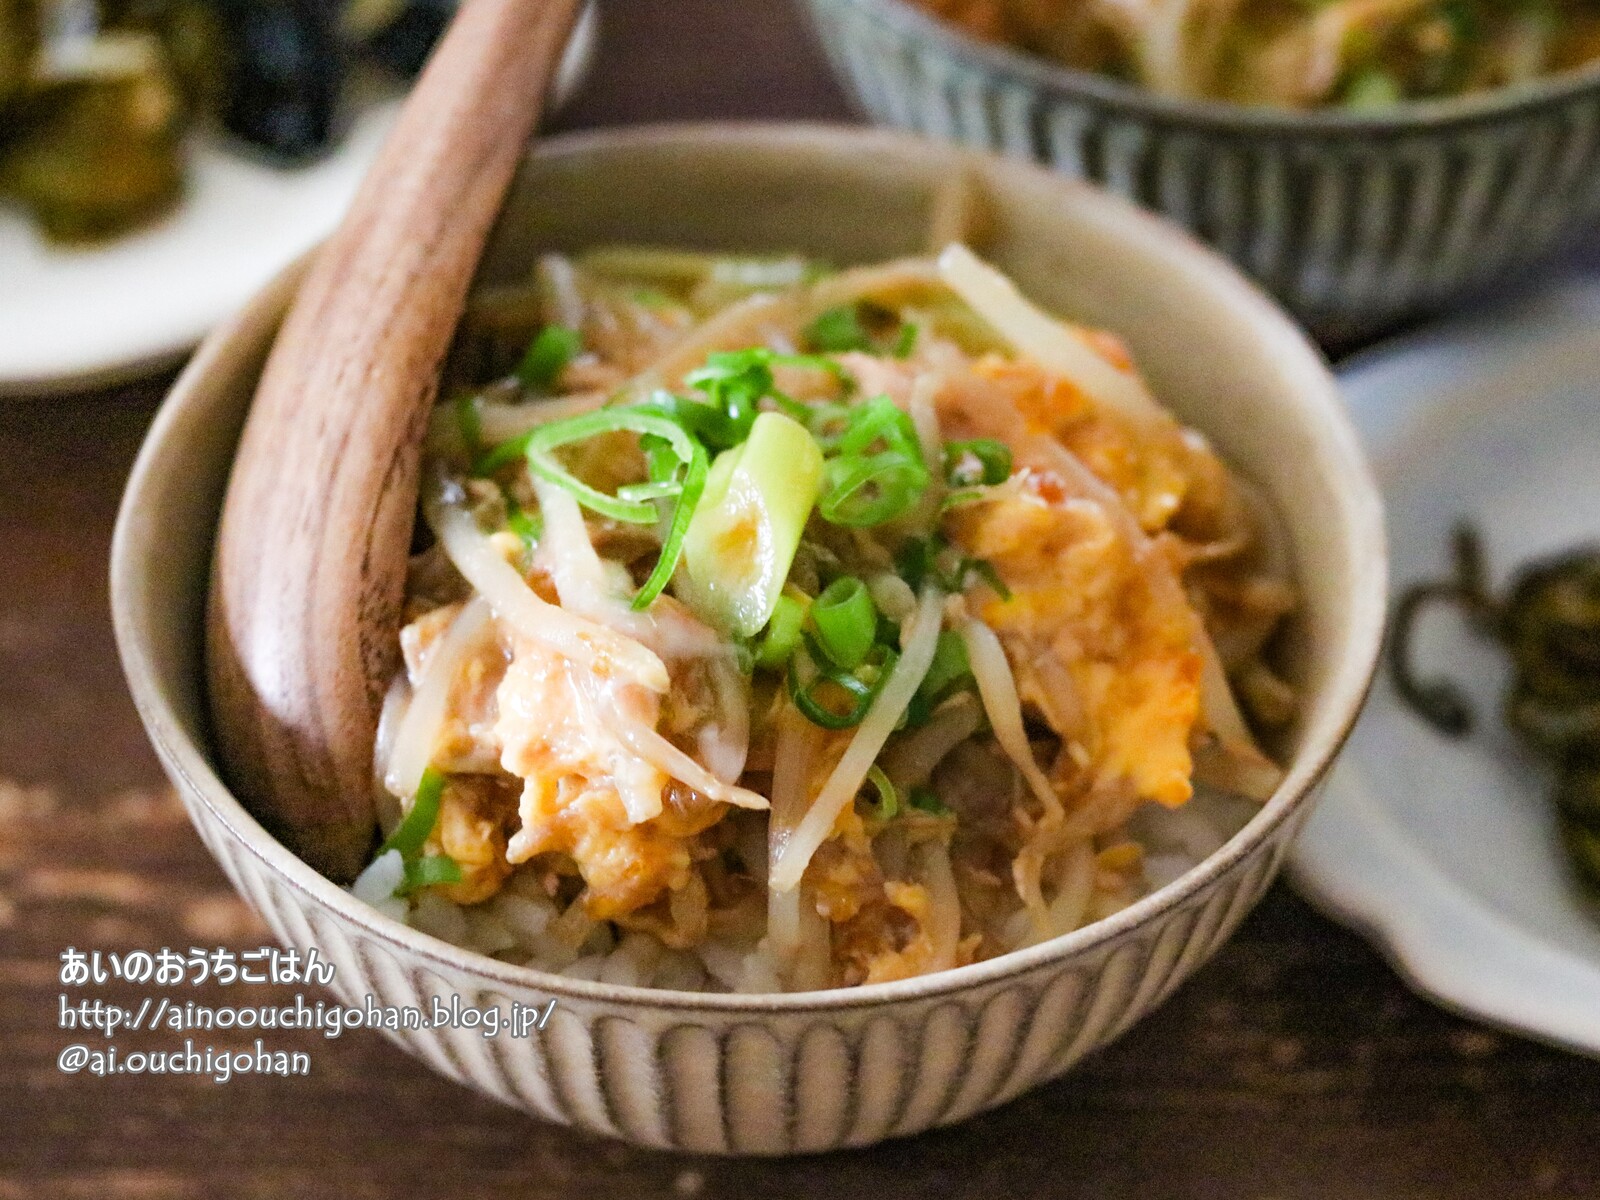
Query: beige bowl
{"x": 776, "y": 1074}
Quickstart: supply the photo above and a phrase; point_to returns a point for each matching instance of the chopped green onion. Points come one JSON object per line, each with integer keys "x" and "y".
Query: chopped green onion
{"x": 527, "y": 526}
{"x": 922, "y": 559}
{"x": 670, "y": 449}
{"x": 502, "y": 455}
{"x": 863, "y": 492}
{"x": 660, "y": 458}
{"x": 917, "y": 559}
{"x": 958, "y": 497}
{"x": 722, "y": 420}
{"x": 742, "y": 542}
{"x": 888, "y": 798}
{"x": 694, "y": 484}
{"x": 846, "y": 621}
{"x": 925, "y": 799}
{"x": 992, "y": 460}
{"x": 469, "y": 422}
{"x": 905, "y": 342}
{"x": 860, "y": 326}
{"x": 546, "y": 438}
{"x": 880, "y": 421}
{"x": 812, "y": 362}
{"x": 804, "y": 698}
{"x": 428, "y": 871}
{"x": 656, "y": 489}
{"x": 721, "y": 426}
{"x": 877, "y": 473}
{"x": 778, "y": 644}
{"x": 984, "y": 570}
{"x": 409, "y": 836}
{"x": 803, "y": 695}
{"x": 548, "y": 356}
{"x": 734, "y": 382}
{"x": 948, "y": 671}
{"x": 827, "y": 422}
{"x": 838, "y": 330}
{"x": 745, "y": 376}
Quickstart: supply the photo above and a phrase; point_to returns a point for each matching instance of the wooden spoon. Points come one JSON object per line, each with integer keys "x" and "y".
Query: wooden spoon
{"x": 309, "y": 573}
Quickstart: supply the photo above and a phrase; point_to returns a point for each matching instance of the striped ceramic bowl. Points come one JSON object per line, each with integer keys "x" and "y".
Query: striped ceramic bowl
{"x": 1355, "y": 222}
{"x": 784, "y": 1073}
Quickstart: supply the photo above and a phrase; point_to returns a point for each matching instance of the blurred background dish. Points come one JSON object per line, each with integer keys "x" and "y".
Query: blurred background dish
{"x": 1448, "y": 851}
{"x": 1366, "y": 54}
{"x": 103, "y": 281}
{"x": 1356, "y": 219}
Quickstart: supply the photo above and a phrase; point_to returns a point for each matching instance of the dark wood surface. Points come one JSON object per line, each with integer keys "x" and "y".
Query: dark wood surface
{"x": 1295, "y": 1066}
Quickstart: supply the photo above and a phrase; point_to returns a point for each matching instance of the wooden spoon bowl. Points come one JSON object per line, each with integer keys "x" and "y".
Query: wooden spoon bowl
{"x": 309, "y": 571}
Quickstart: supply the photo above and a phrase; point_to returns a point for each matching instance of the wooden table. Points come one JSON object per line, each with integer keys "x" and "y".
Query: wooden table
{"x": 1294, "y": 1067}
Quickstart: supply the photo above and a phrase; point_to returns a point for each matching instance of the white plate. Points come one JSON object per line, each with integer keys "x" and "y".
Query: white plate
{"x": 76, "y": 318}
{"x": 1446, "y": 852}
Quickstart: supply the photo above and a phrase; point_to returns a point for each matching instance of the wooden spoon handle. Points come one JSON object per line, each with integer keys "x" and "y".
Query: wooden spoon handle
{"x": 309, "y": 573}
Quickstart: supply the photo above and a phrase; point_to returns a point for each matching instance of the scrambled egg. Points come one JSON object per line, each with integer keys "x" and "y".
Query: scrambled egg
{"x": 1157, "y": 472}
{"x": 475, "y": 813}
{"x": 574, "y": 772}
{"x": 1106, "y": 660}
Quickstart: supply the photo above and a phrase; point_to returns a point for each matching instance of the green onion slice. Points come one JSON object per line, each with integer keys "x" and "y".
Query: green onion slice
{"x": 678, "y": 466}
{"x": 694, "y": 485}
{"x": 877, "y": 473}
{"x": 544, "y": 439}
{"x": 925, "y": 799}
{"x": 984, "y": 570}
{"x": 862, "y": 693}
{"x": 838, "y": 330}
{"x": 888, "y": 798}
{"x": 946, "y": 675}
{"x": 981, "y": 462}
{"x": 880, "y": 420}
{"x": 501, "y": 455}
{"x": 863, "y": 492}
{"x": 827, "y": 421}
{"x": 782, "y": 636}
{"x": 469, "y": 422}
{"x": 656, "y": 489}
{"x": 411, "y": 833}
{"x": 905, "y": 342}
{"x": 527, "y": 526}
{"x": 721, "y": 421}
{"x": 922, "y": 559}
{"x": 548, "y": 356}
{"x": 846, "y": 621}
{"x": 428, "y": 871}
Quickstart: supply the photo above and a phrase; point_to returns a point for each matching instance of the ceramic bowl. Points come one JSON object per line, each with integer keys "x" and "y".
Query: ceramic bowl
{"x": 783, "y": 1073}
{"x": 1354, "y": 221}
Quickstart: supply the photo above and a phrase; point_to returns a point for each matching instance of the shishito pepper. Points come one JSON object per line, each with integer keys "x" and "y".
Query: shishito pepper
{"x": 1549, "y": 623}
{"x": 99, "y": 150}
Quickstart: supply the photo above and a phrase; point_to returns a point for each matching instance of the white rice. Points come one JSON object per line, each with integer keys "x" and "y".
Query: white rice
{"x": 515, "y": 925}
